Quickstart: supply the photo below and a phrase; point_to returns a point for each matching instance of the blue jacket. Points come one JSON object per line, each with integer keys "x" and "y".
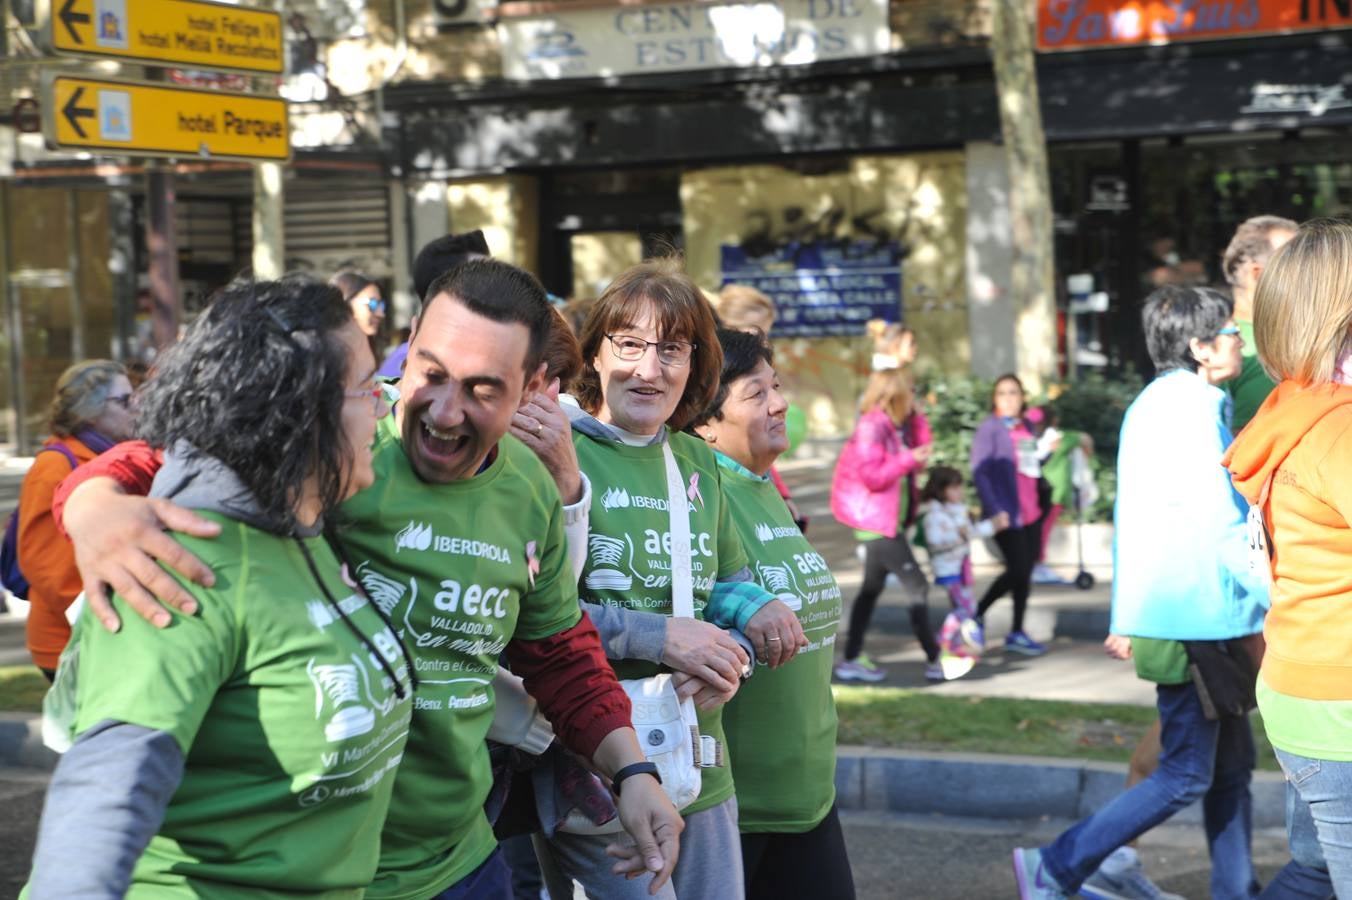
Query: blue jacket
{"x": 1180, "y": 545}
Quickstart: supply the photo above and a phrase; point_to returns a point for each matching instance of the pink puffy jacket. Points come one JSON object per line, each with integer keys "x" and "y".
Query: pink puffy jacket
{"x": 877, "y": 460}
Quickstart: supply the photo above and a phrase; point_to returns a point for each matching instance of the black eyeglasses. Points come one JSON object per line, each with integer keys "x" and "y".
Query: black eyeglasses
{"x": 122, "y": 400}
{"x": 669, "y": 353}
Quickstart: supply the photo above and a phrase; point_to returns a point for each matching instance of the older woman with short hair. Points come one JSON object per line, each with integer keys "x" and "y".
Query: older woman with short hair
{"x": 91, "y": 411}
{"x": 781, "y": 726}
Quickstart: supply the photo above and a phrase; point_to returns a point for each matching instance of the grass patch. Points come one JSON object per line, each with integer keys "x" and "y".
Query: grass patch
{"x": 21, "y": 689}
{"x": 916, "y": 720}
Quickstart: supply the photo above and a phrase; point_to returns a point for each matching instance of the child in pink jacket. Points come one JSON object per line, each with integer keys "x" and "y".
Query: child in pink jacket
{"x": 873, "y": 491}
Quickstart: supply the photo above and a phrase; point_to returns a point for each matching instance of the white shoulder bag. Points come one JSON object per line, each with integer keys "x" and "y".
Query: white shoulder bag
{"x": 668, "y": 730}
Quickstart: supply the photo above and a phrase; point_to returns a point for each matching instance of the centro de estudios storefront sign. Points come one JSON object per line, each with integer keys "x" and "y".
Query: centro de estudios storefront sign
{"x": 1083, "y": 24}
{"x": 670, "y": 37}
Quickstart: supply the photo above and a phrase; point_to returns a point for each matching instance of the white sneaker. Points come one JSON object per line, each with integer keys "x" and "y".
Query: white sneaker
{"x": 1121, "y": 877}
{"x": 948, "y": 667}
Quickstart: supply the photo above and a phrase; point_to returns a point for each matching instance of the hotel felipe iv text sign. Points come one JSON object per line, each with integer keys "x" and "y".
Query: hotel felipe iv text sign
{"x": 668, "y": 37}
{"x": 193, "y": 33}
{"x": 151, "y": 119}
{"x": 1081, "y": 24}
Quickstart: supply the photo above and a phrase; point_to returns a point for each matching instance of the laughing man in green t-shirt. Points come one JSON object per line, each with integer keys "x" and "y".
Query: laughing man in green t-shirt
{"x": 461, "y": 543}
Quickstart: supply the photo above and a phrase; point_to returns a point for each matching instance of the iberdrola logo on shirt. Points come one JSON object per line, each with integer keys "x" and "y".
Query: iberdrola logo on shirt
{"x": 765, "y": 532}
{"x": 619, "y": 498}
{"x": 615, "y": 498}
{"x": 413, "y": 536}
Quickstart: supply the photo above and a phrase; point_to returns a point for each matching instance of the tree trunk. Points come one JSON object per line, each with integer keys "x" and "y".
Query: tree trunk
{"x": 1033, "y": 273}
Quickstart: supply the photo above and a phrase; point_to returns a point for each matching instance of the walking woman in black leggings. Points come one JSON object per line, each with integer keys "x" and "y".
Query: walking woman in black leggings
{"x": 1005, "y": 471}
{"x": 873, "y": 492}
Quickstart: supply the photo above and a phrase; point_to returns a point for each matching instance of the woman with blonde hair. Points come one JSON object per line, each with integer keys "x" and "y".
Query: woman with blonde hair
{"x": 744, "y": 308}
{"x": 91, "y": 411}
{"x": 1292, "y": 463}
{"x": 874, "y": 492}
{"x": 893, "y": 345}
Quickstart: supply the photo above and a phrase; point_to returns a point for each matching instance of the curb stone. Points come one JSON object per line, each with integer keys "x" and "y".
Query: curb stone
{"x": 21, "y": 742}
{"x": 992, "y": 786}
{"x": 870, "y": 779}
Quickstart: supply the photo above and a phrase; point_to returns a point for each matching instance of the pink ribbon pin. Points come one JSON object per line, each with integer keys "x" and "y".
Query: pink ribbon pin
{"x": 532, "y": 563}
{"x": 692, "y": 492}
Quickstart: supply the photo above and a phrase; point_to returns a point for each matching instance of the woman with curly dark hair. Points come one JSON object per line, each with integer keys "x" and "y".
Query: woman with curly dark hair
{"x": 281, "y": 707}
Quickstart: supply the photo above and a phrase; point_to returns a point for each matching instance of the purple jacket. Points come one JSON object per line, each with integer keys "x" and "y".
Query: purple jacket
{"x": 866, "y": 487}
{"x": 995, "y": 469}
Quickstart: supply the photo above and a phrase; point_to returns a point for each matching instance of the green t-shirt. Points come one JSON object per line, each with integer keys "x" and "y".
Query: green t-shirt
{"x": 1057, "y": 469}
{"x": 1160, "y": 660}
{"x": 461, "y": 568}
{"x": 1319, "y": 729}
{"x": 629, "y": 548}
{"x": 781, "y": 726}
{"x": 1252, "y": 385}
{"x": 291, "y": 729}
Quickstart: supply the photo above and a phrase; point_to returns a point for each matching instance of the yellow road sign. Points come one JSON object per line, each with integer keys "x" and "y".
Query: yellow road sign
{"x": 193, "y": 33}
{"x": 127, "y": 118}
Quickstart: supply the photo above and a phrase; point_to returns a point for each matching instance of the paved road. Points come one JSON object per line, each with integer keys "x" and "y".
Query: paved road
{"x": 894, "y": 857}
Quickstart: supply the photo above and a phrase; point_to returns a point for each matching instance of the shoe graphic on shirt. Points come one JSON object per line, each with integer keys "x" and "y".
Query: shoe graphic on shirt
{"x": 1033, "y": 879}
{"x": 606, "y": 555}
{"x": 779, "y": 581}
{"x": 338, "y": 690}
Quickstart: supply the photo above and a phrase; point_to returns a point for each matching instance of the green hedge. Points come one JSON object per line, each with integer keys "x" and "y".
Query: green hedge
{"x": 956, "y": 405}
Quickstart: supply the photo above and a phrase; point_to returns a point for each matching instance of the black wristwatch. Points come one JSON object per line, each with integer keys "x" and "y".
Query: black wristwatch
{"x": 638, "y": 768}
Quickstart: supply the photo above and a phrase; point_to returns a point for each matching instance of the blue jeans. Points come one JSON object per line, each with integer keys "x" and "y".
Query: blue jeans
{"x": 491, "y": 881}
{"x": 1210, "y": 761}
{"x": 1305, "y": 877}
{"x": 1326, "y": 787}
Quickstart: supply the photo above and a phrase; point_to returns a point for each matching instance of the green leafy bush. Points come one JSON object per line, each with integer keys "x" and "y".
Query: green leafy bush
{"x": 957, "y": 404}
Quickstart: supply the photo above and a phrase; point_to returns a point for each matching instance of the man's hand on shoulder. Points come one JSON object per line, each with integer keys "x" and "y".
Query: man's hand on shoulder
{"x": 119, "y": 538}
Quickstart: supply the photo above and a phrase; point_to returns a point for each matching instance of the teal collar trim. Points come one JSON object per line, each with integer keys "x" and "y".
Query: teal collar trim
{"x": 733, "y": 465}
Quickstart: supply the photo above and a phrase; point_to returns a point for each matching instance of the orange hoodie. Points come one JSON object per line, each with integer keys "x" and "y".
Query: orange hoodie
{"x": 1301, "y": 437}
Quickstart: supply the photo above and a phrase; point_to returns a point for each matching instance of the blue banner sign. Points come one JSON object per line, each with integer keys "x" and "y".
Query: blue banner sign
{"x": 822, "y": 289}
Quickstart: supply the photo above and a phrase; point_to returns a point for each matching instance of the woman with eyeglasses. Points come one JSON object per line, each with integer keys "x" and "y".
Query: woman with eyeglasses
{"x": 652, "y": 363}
{"x": 92, "y": 411}
{"x": 367, "y": 303}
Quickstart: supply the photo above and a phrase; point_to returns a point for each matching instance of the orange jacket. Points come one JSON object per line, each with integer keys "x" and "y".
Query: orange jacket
{"x": 1301, "y": 438}
{"x": 46, "y": 558}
